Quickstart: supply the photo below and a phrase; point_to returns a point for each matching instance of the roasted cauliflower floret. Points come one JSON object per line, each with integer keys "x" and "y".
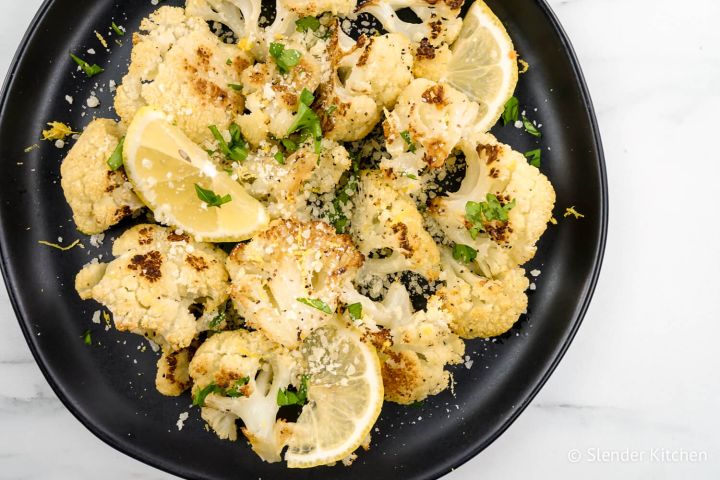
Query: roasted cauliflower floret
{"x": 173, "y": 375}
{"x": 157, "y": 282}
{"x": 431, "y": 62}
{"x": 273, "y": 98}
{"x": 427, "y": 123}
{"x": 287, "y": 186}
{"x": 414, "y": 348}
{"x": 99, "y": 197}
{"x": 386, "y": 219}
{"x": 180, "y": 67}
{"x": 439, "y": 18}
{"x": 481, "y": 307}
{"x": 501, "y": 209}
{"x": 379, "y": 67}
{"x": 237, "y": 375}
{"x": 287, "y": 280}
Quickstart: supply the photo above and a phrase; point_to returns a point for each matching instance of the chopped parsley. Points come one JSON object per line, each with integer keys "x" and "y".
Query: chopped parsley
{"x": 228, "y": 62}
{"x": 288, "y": 397}
{"x": 237, "y": 150}
{"x": 280, "y": 158}
{"x": 216, "y": 321}
{"x": 347, "y": 188}
{"x": 307, "y": 23}
{"x": 285, "y": 59}
{"x": 211, "y": 198}
{"x": 330, "y": 110}
{"x": 119, "y": 31}
{"x": 317, "y": 304}
{"x": 409, "y": 175}
{"x": 479, "y": 214}
{"x": 411, "y": 147}
{"x": 90, "y": 70}
{"x": 355, "y": 311}
{"x": 533, "y": 157}
{"x": 530, "y": 127}
{"x": 511, "y": 112}
{"x": 235, "y": 390}
{"x": 116, "y": 159}
{"x": 464, "y": 253}
{"x": 235, "y": 86}
{"x": 87, "y": 337}
{"x": 306, "y": 120}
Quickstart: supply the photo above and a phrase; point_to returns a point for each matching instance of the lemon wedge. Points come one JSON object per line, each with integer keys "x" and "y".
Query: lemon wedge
{"x": 345, "y": 398}
{"x": 484, "y": 64}
{"x": 166, "y": 168}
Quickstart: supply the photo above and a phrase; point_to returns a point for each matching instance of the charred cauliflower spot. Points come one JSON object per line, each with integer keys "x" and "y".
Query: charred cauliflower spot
{"x": 182, "y": 68}
{"x": 281, "y": 270}
{"x": 99, "y": 197}
{"x": 153, "y": 289}
{"x": 173, "y": 375}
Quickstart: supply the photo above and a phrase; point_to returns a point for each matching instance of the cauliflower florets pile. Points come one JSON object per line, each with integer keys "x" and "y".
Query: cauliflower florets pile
{"x": 342, "y": 140}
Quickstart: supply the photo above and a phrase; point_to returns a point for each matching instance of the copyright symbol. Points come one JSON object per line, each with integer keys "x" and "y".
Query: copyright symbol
{"x": 574, "y": 456}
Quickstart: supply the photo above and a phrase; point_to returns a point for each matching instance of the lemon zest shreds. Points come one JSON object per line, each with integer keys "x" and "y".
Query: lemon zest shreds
{"x": 571, "y": 211}
{"x": 553, "y": 221}
{"x": 102, "y": 39}
{"x": 57, "y": 131}
{"x": 524, "y": 66}
{"x": 76, "y": 243}
{"x": 32, "y": 147}
{"x": 244, "y": 44}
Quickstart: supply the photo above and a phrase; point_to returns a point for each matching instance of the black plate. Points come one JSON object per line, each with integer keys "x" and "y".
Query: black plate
{"x": 115, "y": 398}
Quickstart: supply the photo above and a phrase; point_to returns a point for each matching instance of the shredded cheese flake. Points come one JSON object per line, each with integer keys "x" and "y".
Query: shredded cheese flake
{"x": 524, "y": 66}
{"x": 32, "y": 147}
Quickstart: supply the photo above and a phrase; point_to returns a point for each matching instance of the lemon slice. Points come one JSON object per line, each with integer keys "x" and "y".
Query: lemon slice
{"x": 164, "y": 166}
{"x": 345, "y": 397}
{"x": 484, "y": 63}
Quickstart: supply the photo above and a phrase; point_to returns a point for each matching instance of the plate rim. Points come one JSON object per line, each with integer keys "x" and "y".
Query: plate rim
{"x": 443, "y": 470}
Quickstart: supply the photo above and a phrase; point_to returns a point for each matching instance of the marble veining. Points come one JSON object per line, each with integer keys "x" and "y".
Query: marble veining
{"x": 641, "y": 375}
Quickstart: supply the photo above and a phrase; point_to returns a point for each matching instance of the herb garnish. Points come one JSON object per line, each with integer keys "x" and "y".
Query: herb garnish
{"x": 234, "y": 391}
{"x": 511, "y": 111}
{"x": 237, "y": 149}
{"x": 116, "y": 159}
{"x": 287, "y": 397}
{"x": 285, "y": 59}
{"x": 479, "y": 214}
{"x": 316, "y": 303}
{"x": 530, "y": 127}
{"x": 411, "y": 147}
{"x": 533, "y": 157}
{"x": 307, "y": 23}
{"x": 355, "y": 311}
{"x": 87, "y": 338}
{"x": 211, "y": 198}
{"x": 306, "y": 120}
{"x": 117, "y": 30}
{"x": 90, "y": 70}
{"x": 464, "y": 253}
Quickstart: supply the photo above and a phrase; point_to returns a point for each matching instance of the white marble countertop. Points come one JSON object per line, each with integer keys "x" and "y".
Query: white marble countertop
{"x": 641, "y": 375}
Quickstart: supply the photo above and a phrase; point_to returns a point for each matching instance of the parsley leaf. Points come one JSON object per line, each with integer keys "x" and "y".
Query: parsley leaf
{"x": 411, "y": 147}
{"x": 479, "y": 214}
{"x": 280, "y": 158}
{"x": 287, "y": 397}
{"x": 464, "y": 253}
{"x": 87, "y": 338}
{"x": 237, "y": 149}
{"x": 307, "y": 23}
{"x": 201, "y": 395}
{"x": 235, "y": 86}
{"x": 533, "y": 157}
{"x": 215, "y": 322}
{"x": 235, "y": 390}
{"x": 306, "y": 120}
{"x": 117, "y": 29}
{"x": 347, "y": 188}
{"x": 316, "y": 303}
{"x": 530, "y": 127}
{"x": 285, "y": 59}
{"x": 511, "y": 111}
{"x": 90, "y": 70}
{"x": 211, "y": 198}
{"x": 355, "y": 311}
{"x": 116, "y": 159}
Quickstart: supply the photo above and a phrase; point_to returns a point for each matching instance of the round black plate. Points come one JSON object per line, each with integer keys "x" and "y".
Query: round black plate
{"x": 109, "y": 385}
